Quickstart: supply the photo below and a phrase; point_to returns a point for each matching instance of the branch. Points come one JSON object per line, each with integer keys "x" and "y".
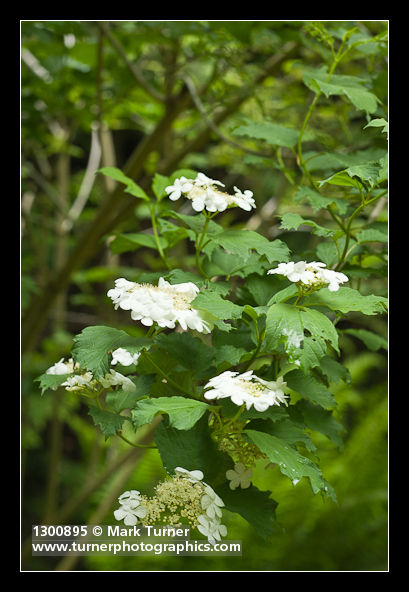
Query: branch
{"x": 197, "y": 144}
{"x": 115, "y": 206}
{"x": 133, "y": 68}
{"x": 210, "y": 123}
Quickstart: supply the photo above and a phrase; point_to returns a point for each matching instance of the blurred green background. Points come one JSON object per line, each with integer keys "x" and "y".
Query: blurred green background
{"x": 111, "y": 88}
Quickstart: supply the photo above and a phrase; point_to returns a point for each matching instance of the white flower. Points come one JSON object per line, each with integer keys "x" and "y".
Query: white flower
{"x": 239, "y": 476}
{"x": 130, "y": 514}
{"x": 179, "y": 187}
{"x": 80, "y": 382}
{"x": 131, "y": 498}
{"x": 203, "y": 181}
{"x": 131, "y": 508}
{"x": 244, "y": 199}
{"x": 62, "y": 367}
{"x": 295, "y": 272}
{"x": 192, "y": 476}
{"x": 113, "y": 378}
{"x": 122, "y": 356}
{"x": 332, "y": 278}
{"x": 205, "y": 194}
{"x": 211, "y": 528}
{"x": 165, "y": 304}
{"x": 211, "y": 200}
{"x": 311, "y": 274}
{"x": 246, "y": 389}
{"x": 212, "y": 503}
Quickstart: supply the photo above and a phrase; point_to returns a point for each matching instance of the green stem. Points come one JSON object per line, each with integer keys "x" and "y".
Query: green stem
{"x": 157, "y": 238}
{"x": 134, "y": 444}
{"x": 200, "y": 243}
{"x": 235, "y": 418}
{"x": 337, "y": 58}
{"x": 348, "y": 234}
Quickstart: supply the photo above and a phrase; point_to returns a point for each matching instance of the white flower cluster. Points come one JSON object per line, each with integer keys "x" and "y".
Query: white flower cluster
{"x": 313, "y": 274}
{"x": 131, "y": 509}
{"x": 204, "y": 194}
{"x": 165, "y": 304}
{"x": 135, "y": 508}
{"x": 247, "y": 388}
{"x": 85, "y": 381}
{"x": 209, "y": 523}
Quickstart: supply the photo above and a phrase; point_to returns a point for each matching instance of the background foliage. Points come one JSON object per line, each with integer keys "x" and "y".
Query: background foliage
{"x": 228, "y": 98}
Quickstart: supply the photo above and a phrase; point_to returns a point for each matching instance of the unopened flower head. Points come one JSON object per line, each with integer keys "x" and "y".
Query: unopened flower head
{"x": 312, "y": 275}
{"x": 205, "y": 194}
{"x": 165, "y": 304}
{"x": 246, "y": 389}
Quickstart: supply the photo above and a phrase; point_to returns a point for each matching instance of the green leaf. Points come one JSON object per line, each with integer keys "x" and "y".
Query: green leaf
{"x": 219, "y": 308}
{"x": 334, "y": 371}
{"x": 311, "y": 353}
{"x": 171, "y": 232}
{"x": 368, "y": 172}
{"x": 192, "y": 449}
{"x": 253, "y": 505}
{"x": 281, "y": 317}
{"x": 274, "y": 134}
{"x": 131, "y": 186}
{"x": 347, "y": 300}
{"x": 261, "y": 288}
{"x": 196, "y": 224}
{"x": 327, "y": 253}
{"x": 291, "y": 221}
{"x": 309, "y": 388}
{"x": 290, "y": 461}
{"x": 123, "y": 243}
{"x": 379, "y": 122}
{"x": 183, "y": 413}
{"x": 350, "y": 86}
{"x": 93, "y": 345}
{"x": 50, "y": 381}
{"x": 241, "y": 242}
{"x": 320, "y": 327}
{"x": 322, "y": 421}
{"x": 343, "y": 179}
{"x": 286, "y": 429}
{"x": 160, "y": 182}
{"x": 284, "y": 294}
{"x": 120, "y": 400}
{"x": 319, "y": 202}
{"x": 372, "y": 341}
{"x": 228, "y": 355}
{"x": 110, "y": 423}
{"x": 371, "y": 235}
{"x": 191, "y": 352}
